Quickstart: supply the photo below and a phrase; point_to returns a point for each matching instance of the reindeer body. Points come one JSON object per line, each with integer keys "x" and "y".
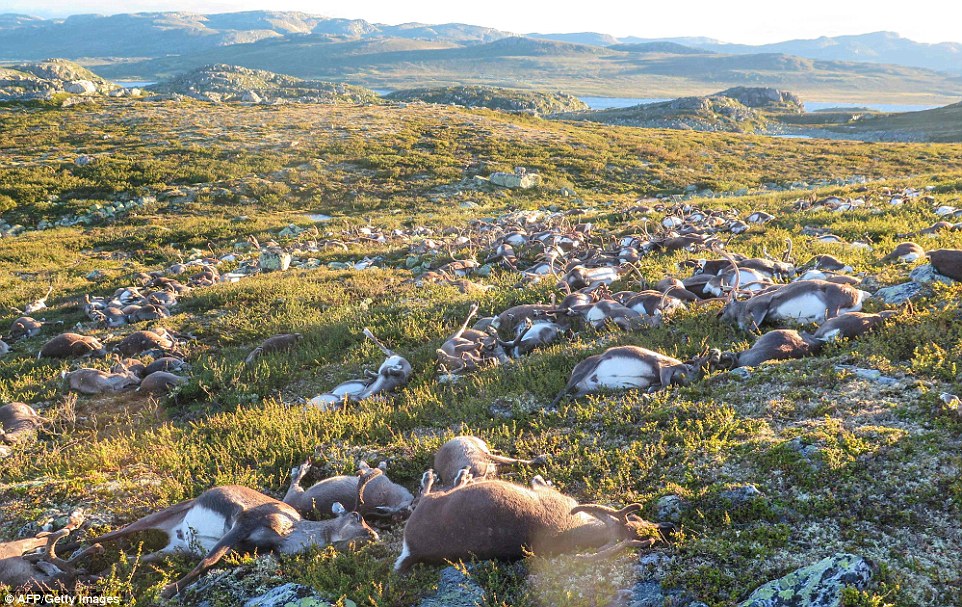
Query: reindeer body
{"x": 161, "y": 382}
{"x": 276, "y": 343}
{"x": 95, "y": 381}
{"x": 905, "y": 252}
{"x": 67, "y": 345}
{"x": 851, "y": 325}
{"x": 237, "y": 518}
{"x": 780, "y": 344}
{"x": 472, "y": 453}
{"x": 493, "y": 519}
{"x": 625, "y": 367}
{"x": 142, "y": 341}
{"x": 382, "y": 497}
{"x": 18, "y": 423}
{"x": 803, "y": 301}
{"x": 947, "y": 262}
{"x": 25, "y": 327}
{"x": 25, "y": 570}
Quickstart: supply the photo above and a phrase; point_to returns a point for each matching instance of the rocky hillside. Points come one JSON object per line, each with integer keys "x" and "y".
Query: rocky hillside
{"x": 44, "y": 79}
{"x": 233, "y": 83}
{"x": 716, "y": 113}
{"x": 506, "y": 100}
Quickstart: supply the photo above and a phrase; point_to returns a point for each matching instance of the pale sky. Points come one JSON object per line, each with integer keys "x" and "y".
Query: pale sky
{"x": 743, "y": 21}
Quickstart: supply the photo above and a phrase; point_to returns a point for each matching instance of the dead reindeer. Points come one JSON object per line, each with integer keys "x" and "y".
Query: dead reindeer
{"x": 19, "y": 423}
{"x": 25, "y": 569}
{"x": 160, "y": 382}
{"x": 36, "y": 306}
{"x": 25, "y": 327}
{"x": 580, "y": 277}
{"x": 131, "y": 365}
{"x": 851, "y": 325}
{"x": 68, "y": 345}
{"x": 652, "y": 303}
{"x": 232, "y": 517}
{"x": 780, "y": 344}
{"x": 393, "y": 373}
{"x": 370, "y": 490}
{"x": 469, "y": 349}
{"x": 494, "y": 519}
{"x": 947, "y": 262}
{"x": 140, "y": 342}
{"x": 95, "y": 381}
{"x": 166, "y": 363}
{"x": 749, "y": 280}
{"x": 802, "y": 302}
{"x": 509, "y": 320}
{"x": 473, "y": 454}
{"x": 531, "y": 336}
{"x": 610, "y": 312}
{"x": 109, "y": 317}
{"x": 906, "y": 252}
{"x": 149, "y": 312}
{"x": 676, "y": 289}
{"x": 629, "y": 368}
{"x": 276, "y": 343}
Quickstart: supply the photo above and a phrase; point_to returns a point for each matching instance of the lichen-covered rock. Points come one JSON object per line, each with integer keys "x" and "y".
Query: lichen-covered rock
{"x": 454, "y": 590}
{"x": 741, "y": 495}
{"x": 927, "y": 274}
{"x": 288, "y": 595}
{"x": 899, "y": 294}
{"x": 817, "y": 585}
{"x": 520, "y": 179}
{"x": 671, "y": 508}
{"x": 271, "y": 260}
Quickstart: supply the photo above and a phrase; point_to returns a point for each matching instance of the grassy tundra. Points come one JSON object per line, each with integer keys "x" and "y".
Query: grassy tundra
{"x": 883, "y": 479}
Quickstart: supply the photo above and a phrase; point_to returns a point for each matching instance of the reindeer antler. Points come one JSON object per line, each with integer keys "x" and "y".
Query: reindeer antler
{"x": 366, "y": 476}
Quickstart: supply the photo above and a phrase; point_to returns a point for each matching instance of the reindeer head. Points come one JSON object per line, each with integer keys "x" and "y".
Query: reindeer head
{"x": 625, "y": 529}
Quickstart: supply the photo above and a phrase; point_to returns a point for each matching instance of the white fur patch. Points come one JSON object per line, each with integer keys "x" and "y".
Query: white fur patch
{"x": 405, "y": 553}
{"x": 619, "y": 373}
{"x": 808, "y": 307}
{"x": 201, "y": 528}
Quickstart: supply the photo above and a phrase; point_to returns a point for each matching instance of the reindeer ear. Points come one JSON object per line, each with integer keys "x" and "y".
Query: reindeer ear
{"x": 338, "y": 509}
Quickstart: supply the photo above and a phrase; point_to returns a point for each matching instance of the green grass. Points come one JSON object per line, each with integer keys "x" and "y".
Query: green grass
{"x": 882, "y": 480}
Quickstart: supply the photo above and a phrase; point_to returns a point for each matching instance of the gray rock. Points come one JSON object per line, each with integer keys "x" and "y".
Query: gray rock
{"x": 926, "y": 274}
{"x": 274, "y": 260}
{"x": 817, "y": 585}
{"x": 652, "y": 594}
{"x": 81, "y": 87}
{"x": 520, "y": 179}
{"x": 671, "y": 508}
{"x": 454, "y": 590}
{"x": 288, "y": 595}
{"x": 741, "y": 495}
{"x": 899, "y": 294}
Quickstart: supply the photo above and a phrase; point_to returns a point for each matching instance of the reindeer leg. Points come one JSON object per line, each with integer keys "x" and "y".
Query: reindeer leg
{"x": 224, "y": 546}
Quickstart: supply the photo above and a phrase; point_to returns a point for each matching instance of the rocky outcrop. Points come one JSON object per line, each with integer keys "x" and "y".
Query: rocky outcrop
{"x": 454, "y": 590}
{"x": 223, "y": 83}
{"x": 817, "y": 585}
{"x": 520, "y": 179}
{"x": 764, "y": 98}
{"x": 43, "y": 80}
{"x": 505, "y": 100}
{"x": 713, "y": 113}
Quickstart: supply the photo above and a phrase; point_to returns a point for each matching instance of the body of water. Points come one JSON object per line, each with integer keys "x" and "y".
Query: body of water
{"x": 605, "y": 103}
{"x": 133, "y": 84}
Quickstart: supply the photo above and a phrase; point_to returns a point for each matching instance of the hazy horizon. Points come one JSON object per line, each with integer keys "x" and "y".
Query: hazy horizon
{"x": 744, "y": 22}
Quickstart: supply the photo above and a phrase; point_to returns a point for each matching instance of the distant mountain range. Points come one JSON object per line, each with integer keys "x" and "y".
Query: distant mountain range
{"x": 151, "y": 46}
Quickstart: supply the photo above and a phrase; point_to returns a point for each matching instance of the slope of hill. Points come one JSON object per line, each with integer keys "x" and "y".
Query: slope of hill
{"x": 44, "y": 79}
{"x": 507, "y": 100}
{"x": 939, "y": 124}
{"x": 232, "y": 83}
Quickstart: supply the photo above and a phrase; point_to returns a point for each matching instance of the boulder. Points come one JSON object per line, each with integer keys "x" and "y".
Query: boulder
{"x": 670, "y": 508}
{"x": 927, "y": 274}
{"x": 81, "y": 87}
{"x": 520, "y": 179}
{"x": 817, "y": 585}
{"x": 274, "y": 260}
{"x": 899, "y": 294}
{"x": 288, "y": 595}
{"x": 454, "y": 590}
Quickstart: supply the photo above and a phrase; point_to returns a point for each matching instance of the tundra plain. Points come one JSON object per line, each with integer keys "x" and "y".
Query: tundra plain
{"x": 879, "y": 475}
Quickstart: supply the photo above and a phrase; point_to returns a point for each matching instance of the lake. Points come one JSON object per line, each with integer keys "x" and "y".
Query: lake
{"x": 604, "y": 103}
{"x": 133, "y": 84}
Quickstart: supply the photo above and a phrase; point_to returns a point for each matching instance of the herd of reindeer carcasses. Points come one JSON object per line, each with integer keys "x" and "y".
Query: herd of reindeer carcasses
{"x": 463, "y": 510}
